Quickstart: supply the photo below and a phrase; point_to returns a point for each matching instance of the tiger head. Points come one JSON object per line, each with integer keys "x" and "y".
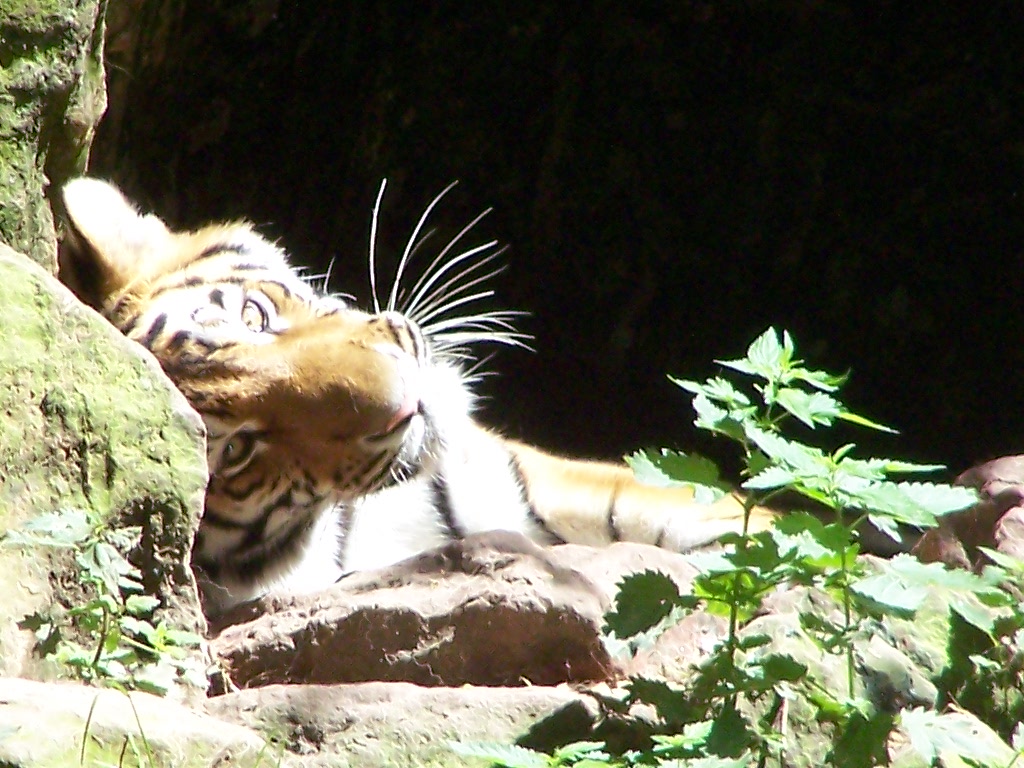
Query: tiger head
{"x": 308, "y": 402}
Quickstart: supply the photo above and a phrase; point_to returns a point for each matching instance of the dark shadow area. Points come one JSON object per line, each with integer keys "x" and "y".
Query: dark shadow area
{"x": 671, "y": 180}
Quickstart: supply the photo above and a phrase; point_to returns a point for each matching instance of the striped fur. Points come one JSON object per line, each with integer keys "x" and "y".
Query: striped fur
{"x": 341, "y": 440}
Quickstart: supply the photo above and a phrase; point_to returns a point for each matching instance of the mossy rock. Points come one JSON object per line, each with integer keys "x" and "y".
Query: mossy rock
{"x": 52, "y": 95}
{"x": 91, "y": 423}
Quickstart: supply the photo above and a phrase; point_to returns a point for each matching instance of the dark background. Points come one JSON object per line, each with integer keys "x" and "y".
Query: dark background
{"x": 671, "y": 177}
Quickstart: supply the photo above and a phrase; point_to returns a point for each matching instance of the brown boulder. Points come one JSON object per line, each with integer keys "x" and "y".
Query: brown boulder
{"x": 494, "y": 609}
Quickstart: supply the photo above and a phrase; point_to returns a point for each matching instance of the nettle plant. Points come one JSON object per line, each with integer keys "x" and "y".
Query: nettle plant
{"x": 108, "y": 636}
{"x": 733, "y": 711}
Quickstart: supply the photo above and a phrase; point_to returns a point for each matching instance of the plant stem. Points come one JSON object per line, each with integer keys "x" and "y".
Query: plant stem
{"x": 105, "y": 627}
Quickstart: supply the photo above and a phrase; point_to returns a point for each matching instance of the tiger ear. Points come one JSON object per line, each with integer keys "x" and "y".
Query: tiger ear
{"x": 108, "y": 243}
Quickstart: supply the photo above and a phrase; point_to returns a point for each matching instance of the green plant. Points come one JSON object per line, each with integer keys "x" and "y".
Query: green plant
{"x": 108, "y": 635}
{"x": 734, "y": 709}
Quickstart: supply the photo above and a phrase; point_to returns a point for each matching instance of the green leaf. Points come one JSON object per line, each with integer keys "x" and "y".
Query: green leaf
{"x": 889, "y": 500}
{"x": 811, "y": 408}
{"x": 862, "y": 741}
{"x": 672, "y": 468}
{"x": 730, "y": 734}
{"x": 508, "y": 755}
{"x": 803, "y": 459}
{"x": 64, "y": 528}
{"x": 891, "y": 592}
{"x": 673, "y": 705}
{"x": 141, "y": 628}
{"x": 642, "y": 600}
{"x": 773, "y": 476}
{"x": 178, "y": 637}
{"x": 937, "y": 736}
{"x": 940, "y": 499}
{"x": 827, "y": 382}
{"x": 862, "y": 421}
{"x": 767, "y": 356}
{"x": 905, "y": 581}
{"x": 712, "y": 418}
{"x": 156, "y": 678}
{"x": 1012, "y": 564}
{"x": 780, "y": 667}
{"x": 718, "y": 389}
{"x": 141, "y": 605}
{"x": 580, "y": 749}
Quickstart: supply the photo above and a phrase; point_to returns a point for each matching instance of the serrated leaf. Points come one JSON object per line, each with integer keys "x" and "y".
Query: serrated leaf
{"x": 887, "y": 526}
{"x": 141, "y": 628}
{"x": 642, "y": 600}
{"x": 937, "y": 736}
{"x": 975, "y": 612}
{"x": 716, "y": 388}
{"x": 803, "y": 459}
{"x": 715, "y": 419}
{"x": 1012, "y": 564}
{"x": 507, "y": 755}
{"x": 862, "y": 741}
{"x": 769, "y": 478}
{"x": 673, "y": 705}
{"x": 780, "y": 667}
{"x": 139, "y": 605}
{"x": 938, "y": 498}
{"x": 892, "y": 592}
{"x": 730, "y": 734}
{"x": 580, "y": 749}
{"x": 156, "y": 678}
{"x": 672, "y": 468}
{"x": 809, "y": 538}
{"x": 827, "y": 382}
{"x": 905, "y": 581}
{"x": 63, "y": 528}
{"x": 765, "y": 353}
{"x": 178, "y": 637}
{"x": 889, "y": 500}
{"x": 812, "y": 408}
{"x": 863, "y": 421}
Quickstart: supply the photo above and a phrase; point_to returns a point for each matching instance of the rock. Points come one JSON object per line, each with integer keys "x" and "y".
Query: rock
{"x": 996, "y": 521}
{"x": 962, "y": 735}
{"x": 53, "y": 95}
{"x": 494, "y": 609}
{"x": 397, "y": 724}
{"x": 44, "y": 724}
{"x": 90, "y": 422}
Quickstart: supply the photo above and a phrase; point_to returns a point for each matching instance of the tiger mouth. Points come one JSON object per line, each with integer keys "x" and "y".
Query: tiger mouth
{"x": 397, "y": 427}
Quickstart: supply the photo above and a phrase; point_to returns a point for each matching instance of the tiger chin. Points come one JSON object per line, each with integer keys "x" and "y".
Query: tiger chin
{"x": 340, "y": 439}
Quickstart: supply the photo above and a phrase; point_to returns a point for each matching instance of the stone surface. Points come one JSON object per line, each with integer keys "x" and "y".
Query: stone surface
{"x": 492, "y": 610}
{"x": 44, "y": 724}
{"x": 89, "y": 422}
{"x": 52, "y": 95}
{"x": 996, "y": 521}
{"x": 399, "y": 724}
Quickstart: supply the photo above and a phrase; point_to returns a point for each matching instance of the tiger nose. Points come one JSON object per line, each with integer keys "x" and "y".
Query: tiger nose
{"x": 407, "y": 400}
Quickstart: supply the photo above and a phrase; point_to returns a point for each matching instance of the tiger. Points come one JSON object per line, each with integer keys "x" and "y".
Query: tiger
{"x": 342, "y": 439}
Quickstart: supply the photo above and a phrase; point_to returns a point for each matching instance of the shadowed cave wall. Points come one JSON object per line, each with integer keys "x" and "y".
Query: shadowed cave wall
{"x": 671, "y": 179}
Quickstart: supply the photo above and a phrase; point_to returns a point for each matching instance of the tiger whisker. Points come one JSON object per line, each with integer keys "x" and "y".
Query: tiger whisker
{"x": 428, "y": 272}
{"x": 396, "y": 285}
{"x": 495, "y": 320}
{"x": 447, "y": 291}
{"x": 439, "y": 311}
{"x": 418, "y": 296}
{"x": 392, "y": 298}
{"x": 373, "y": 242}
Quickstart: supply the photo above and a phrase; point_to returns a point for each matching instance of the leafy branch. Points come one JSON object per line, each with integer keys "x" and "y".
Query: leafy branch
{"x": 109, "y": 637}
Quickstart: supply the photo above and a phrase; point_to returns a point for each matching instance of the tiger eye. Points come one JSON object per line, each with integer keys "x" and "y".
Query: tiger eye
{"x": 254, "y": 316}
